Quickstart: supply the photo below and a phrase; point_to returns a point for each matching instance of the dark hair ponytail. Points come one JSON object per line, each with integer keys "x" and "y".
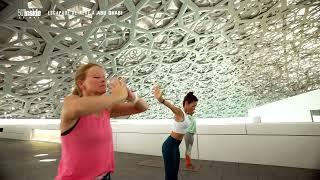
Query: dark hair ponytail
{"x": 190, "y": 98}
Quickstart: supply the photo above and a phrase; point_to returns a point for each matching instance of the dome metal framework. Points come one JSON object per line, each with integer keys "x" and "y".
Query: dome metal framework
{"x": 233, "y": 54}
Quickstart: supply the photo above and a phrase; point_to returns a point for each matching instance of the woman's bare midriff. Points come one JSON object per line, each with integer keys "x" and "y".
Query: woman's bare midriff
{"x": 177, "y": 136}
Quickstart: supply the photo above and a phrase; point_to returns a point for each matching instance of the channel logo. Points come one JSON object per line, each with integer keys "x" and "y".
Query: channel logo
{"x": 29, "y": 13}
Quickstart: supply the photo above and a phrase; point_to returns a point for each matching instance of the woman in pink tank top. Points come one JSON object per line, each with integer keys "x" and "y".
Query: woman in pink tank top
{"x": 86, "y": 134}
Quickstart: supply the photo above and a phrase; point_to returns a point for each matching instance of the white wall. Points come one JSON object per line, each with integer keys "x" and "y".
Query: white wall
{"x": 293, "y": 109}
{"x": 17, "y": 132}
{"x": 282, "y": 144}
{"x": 23, "y": 128}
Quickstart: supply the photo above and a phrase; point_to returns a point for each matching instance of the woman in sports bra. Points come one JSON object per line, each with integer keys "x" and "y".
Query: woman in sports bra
{"x": 86, "y": 134}
{"x": 170, "y": 147}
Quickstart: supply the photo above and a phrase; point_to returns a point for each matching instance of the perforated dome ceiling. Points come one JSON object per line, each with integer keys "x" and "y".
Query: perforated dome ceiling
{"x": 233, "y": 54}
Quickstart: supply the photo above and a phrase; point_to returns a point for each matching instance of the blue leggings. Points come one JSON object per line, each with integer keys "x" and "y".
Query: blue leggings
{"x": 171, "y": 157}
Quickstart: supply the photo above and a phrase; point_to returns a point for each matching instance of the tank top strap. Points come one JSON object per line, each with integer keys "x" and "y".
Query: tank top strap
{"x": 185, "y": 115}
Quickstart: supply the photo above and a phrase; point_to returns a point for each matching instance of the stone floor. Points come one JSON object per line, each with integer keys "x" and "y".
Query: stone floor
{"x": 31, "y": 160}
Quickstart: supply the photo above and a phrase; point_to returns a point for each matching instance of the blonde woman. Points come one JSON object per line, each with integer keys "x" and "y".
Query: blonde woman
{"x": 86, "y": 134}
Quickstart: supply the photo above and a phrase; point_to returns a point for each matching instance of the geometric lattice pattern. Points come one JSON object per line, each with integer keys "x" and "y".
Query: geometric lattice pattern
{"x": 233, "y": 54}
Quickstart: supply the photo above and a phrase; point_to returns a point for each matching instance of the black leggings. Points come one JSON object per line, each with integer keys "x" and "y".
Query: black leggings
{"x": 171, "y": 157}
{"x": 106, "y": 177}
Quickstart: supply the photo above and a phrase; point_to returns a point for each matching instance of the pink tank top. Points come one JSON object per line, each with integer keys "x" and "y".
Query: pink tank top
{"x": 87, "y": 151}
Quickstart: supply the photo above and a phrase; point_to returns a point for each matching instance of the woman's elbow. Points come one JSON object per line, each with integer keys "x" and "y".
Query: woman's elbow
{"x": 145, "y": 107}
{"x": 142, "y": 105}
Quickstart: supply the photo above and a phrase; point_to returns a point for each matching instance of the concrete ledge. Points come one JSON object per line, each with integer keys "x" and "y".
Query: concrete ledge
{"x": 280, "y": 144}
{"x": 297, "y": 129}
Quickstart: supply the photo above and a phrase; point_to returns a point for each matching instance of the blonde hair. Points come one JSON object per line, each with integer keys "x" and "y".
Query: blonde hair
{"x": 81, "y": 74}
